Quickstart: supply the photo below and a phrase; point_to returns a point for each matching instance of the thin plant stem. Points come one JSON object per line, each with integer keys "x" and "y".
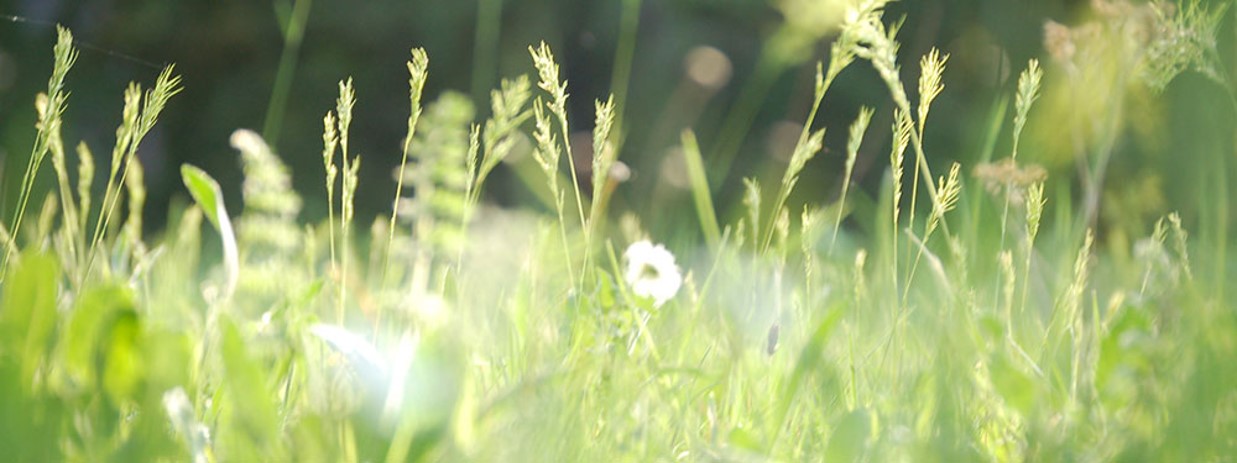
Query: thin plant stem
{"x": 784, "y": 189}
{"x": 485, "y": 47}
{"x": 624, "y": 55}
{"x": 418, "y": 73}
{"x": 294, "y": 32}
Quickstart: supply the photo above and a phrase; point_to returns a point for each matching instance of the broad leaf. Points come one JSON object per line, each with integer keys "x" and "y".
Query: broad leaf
{"x": 28, "y": 313}
{"x": 248, "y": 390}
{"x": 103, "y": 318}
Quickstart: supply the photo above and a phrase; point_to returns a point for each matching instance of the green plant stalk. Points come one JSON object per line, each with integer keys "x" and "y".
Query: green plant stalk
{"x": 401, "y": 442}
{"x": 858, "y": 129}
{"x": 547, "y": 156}
{"x": 950, "y": 190}
{"x": 787, "y": 182}
{"x": 294, "y": 32}
{"x": 1223, "y": 210}
{"x": 485, "y": 46}
{"x": 54, "y": 106}
{"x": 922, "y": 172}
{"x": 472, "y": 183}
{"x": 1036, "y": 194}
{"x": 475, "y": 186}
{"x": 551, "y": 83}
{"x": 931, "y": 66}
{"x": 789, "y": 179}
{"x": 498, "y": 138}
{"x": 347, "y": 441}
{"x": 124, "y": 138}
{"x": 888, "y": 72}
{"x": 1028, "y": 91}
{"x": 603, "y": 159}
{"x": 135, "y": 185}
{"x": 914, "y": 193}
{"x": 166, "y": 86}
{"x": 995, "y": 121}
{"x": 624, "y": 56}
{"x": 910, "y": 224}
{"x": 345, "y": 228}
{"x": 575, "y": 181}
{"x": 471, "y": 161}
{"x": 751, "y": 201}
{"x": 71, "y": 220}
{"x": 559, "y": 109}
{"x": 925, "y": 175}
{"x": 418, "y": 69}
{"x": 85, "y": 179}
{"x": 562, "y": 228}
{"x": 901, "y": 130}
{"x": 329, "y": 145}
{"x": 348, "y": 165}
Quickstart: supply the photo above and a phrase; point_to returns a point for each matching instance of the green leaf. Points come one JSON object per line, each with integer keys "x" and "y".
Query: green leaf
{"x": 605, "y": 290}
{"x": 851, "y": 437}
{"x": 1015, "y": 386}
{"x": 992, "y": 328}
{"x": 28, "y": 313}
{"x": 168, "y": 357}
{"x": 809, "y": 359}
{"x": 1125, "y": 356}
{"x": 745, "y": 440}
{"x": 94, "y": 318}
{"x": 206, "y": 192}
{"x": 123, "y": 366}
{"x": 249, "y": 396}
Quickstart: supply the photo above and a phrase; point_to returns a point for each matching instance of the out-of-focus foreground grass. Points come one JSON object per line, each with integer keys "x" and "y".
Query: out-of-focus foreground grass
{"x": 956, "y": 313}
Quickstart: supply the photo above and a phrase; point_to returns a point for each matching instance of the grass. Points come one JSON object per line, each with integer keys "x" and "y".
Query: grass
{"x": 992, "y": 325}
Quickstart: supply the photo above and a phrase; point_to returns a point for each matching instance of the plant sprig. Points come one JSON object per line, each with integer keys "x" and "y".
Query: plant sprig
{"x": 50, "y": 107}
{"x": 418, "y": 73}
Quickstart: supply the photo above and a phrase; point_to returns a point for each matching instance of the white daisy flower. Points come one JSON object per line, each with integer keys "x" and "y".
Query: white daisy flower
{"x": 651, "y": 272}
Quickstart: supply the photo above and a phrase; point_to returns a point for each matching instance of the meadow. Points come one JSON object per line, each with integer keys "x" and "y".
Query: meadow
{"x": 986, "y": 312}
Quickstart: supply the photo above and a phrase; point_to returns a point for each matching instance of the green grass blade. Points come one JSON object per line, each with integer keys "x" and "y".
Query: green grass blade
{"x": 700, "y": 190}
{"x": 248, "y": 390}
{"x": 28, "y": 313}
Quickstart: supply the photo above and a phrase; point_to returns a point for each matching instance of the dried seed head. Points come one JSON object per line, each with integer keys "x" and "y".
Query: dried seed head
{"x": 1006, "y": 177}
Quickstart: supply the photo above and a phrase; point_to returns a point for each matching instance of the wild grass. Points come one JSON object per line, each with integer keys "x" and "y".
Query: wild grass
{"x": 868, "y": 329}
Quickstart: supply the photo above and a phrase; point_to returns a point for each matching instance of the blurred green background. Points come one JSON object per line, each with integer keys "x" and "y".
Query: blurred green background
{"x": 229, "y": 53}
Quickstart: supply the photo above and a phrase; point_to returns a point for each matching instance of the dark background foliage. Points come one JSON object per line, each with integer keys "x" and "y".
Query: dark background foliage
{"x": 228, "y": 52}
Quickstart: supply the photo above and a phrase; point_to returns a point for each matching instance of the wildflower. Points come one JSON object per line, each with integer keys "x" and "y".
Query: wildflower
{"x": 651, "y": 272}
